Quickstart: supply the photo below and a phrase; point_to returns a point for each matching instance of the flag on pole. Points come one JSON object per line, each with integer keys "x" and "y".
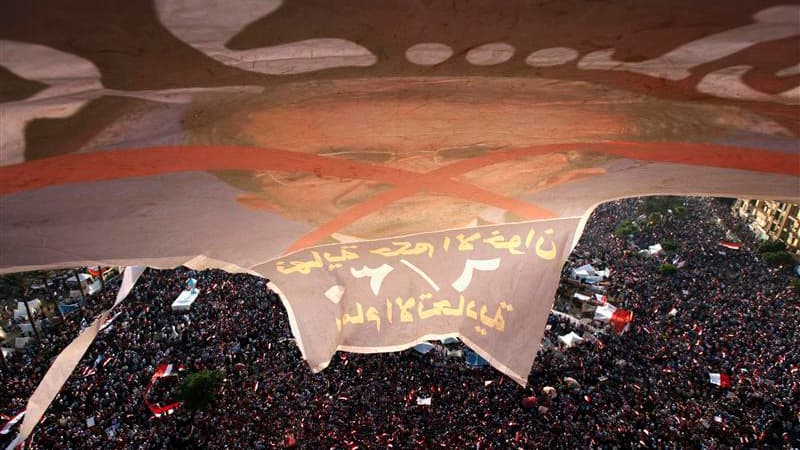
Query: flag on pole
{"x": 720, "y": 379}
{"x": 166, "y": 370}
{"x": 621, "y": 319}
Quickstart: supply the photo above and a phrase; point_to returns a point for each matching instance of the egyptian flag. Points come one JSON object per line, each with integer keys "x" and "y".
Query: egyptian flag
{"x": 166, "y": 370}
{"x": 10, "y": 424}
{"x": 529, "y": 402}
{"x": 159, "y": 410}
{"x": 108, "y": 321}
{"x": 731, "y": 245}
{"x": 720, "y": 379}
{"x": 621, "y": 319}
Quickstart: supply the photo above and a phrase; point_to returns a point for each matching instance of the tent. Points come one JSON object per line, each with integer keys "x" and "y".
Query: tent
{"x": 588, "y": 274}
{"x": 653, "y": 249}
{"x": 423, "y": 347}
{"x": 22, "y": 314}
{"x": 570, "y": 339}
{"x": 474, "y": 359}
{"x": 89, "y": 284}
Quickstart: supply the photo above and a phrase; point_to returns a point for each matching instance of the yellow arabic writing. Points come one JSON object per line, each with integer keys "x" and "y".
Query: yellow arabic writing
{"x": 405, "y": 248}
{"x": 544, "y": 246}
{"x": 425, "y": 309}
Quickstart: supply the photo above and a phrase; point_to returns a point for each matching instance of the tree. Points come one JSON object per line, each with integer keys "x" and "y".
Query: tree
{"x": 626, "y": 228}
{"x": 667, "y": 269}
{"x": 669, "y": 245}
{"x": 771, "y": 247}
{"x": 781, "y": 258}
{"x": 661, "y": 204}
{"x": 198, "y": 390}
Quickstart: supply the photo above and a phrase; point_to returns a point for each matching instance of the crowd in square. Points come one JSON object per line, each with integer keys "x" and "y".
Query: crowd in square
{"x": 724, "y": 311}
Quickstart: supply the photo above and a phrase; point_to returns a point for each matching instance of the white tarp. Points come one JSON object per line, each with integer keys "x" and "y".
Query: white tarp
{"x": 653, "y": 249}
{"x": 185, "y": 300}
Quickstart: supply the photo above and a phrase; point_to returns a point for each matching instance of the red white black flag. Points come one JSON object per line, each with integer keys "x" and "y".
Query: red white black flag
{"x": 720, "y": 379}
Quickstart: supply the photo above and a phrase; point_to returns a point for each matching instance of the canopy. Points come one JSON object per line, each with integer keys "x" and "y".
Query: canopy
{"x": 423, "y": 347}
{"x": 400, "y": 170}
{"x": 473, "y": 359}
{"x": 654, "y": 249}
{"x": 570, "y": 339}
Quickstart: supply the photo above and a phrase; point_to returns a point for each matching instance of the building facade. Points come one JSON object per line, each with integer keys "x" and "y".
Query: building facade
{"x": 772, "y": 220}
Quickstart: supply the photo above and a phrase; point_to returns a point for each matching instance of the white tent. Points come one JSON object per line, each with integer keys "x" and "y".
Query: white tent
{"x": 588, "y": 274}
{"x": 34, "y": 305}
{"x": 89, "y": 285}
{"x": 653, "y": 249}
{"x": 423, "y": 347}
{"x": 570, "y": 339}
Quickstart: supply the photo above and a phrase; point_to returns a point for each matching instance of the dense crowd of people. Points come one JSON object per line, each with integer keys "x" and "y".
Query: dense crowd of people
{"x": 724, "y": 311}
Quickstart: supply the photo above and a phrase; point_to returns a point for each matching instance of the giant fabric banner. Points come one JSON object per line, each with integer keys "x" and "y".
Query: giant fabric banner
{"x": 493, "y": 286}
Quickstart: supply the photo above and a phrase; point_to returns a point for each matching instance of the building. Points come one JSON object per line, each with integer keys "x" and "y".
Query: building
{"x": 772, "y": 220}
